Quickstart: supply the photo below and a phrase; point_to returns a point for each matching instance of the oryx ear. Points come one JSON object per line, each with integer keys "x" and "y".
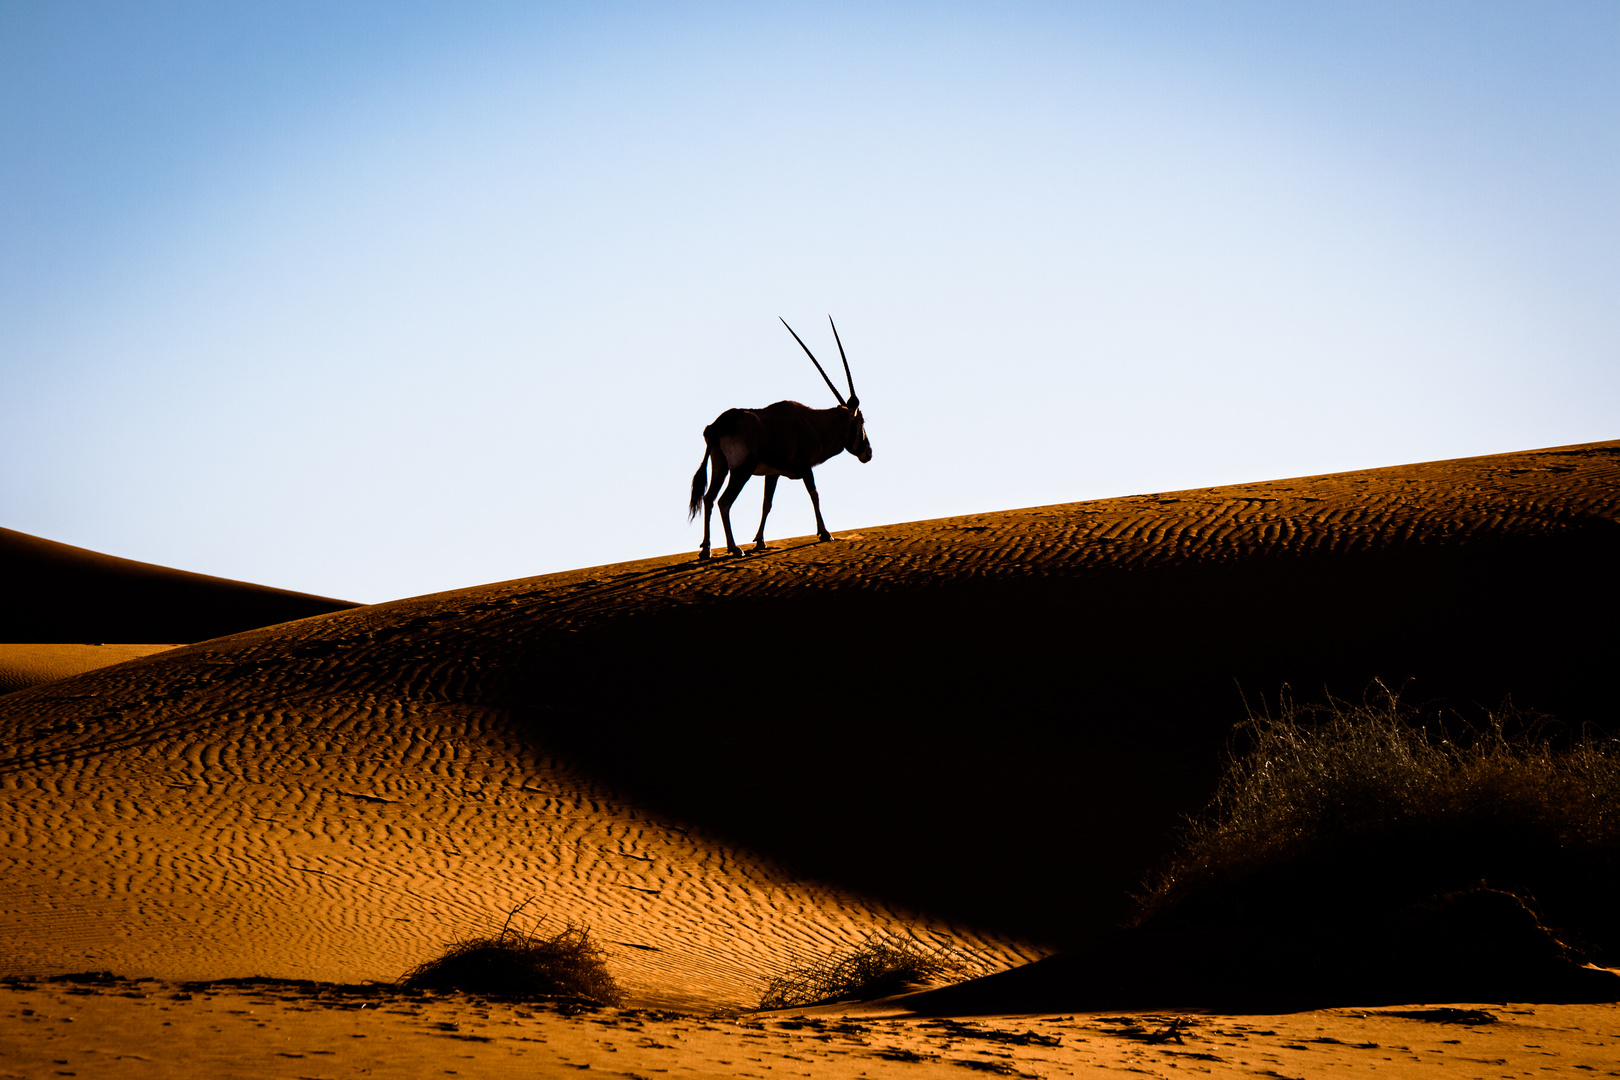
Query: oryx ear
{"x": 854, "y": 404}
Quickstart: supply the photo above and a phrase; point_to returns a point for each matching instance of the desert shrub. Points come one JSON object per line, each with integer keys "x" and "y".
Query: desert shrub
{"x": 1337, "y": 810}
{"x": 517, "y": 965}
{"x": 884, "y": 963}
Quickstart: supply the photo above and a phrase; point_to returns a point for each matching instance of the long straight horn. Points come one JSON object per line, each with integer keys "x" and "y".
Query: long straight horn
{"x": 845, "y": 359}
{"x": 814, "y": 361}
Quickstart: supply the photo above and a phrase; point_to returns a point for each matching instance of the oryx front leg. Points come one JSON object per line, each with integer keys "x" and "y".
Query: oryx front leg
{"x": 739, "y": 477}
{"x": 770, "y": 489}
{"x": 815, "y": 502}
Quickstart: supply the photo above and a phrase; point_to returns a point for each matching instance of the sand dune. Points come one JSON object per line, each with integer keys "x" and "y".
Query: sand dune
{"x": 301, "y": 823}
{"x": 987, "y": 725}
{"x": 29, "y": 665}
{"x": 67, "y": 610}
{"x": 58, "y": 593}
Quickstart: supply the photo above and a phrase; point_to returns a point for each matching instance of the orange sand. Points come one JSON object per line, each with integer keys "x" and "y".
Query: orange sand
{"x": 29, "y": 665}
{"x": 157, "y": 1030}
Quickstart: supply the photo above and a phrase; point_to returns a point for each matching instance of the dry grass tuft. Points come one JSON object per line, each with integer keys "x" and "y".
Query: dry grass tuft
{"x": 516, "y": 965}
{"x": 1339, "y": 810}
{"x": 885, "y": 963}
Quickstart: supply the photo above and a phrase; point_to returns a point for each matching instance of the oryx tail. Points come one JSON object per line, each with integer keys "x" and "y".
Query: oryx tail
{"x": 700, "y": 481}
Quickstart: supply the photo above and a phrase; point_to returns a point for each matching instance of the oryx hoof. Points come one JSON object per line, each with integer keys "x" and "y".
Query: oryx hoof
{"x": 825, "y": 537}
{"x": 736, "y": 551}
{"x": 759, "y": 545}
{"x": 703, "y": 553}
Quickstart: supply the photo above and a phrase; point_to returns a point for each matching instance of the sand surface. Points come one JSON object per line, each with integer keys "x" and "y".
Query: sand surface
{"x": 342, "y": 837}
{"x": 24, "y": 665}
{"x": 982, "y": 727}
{"x": 151, "y": 1029}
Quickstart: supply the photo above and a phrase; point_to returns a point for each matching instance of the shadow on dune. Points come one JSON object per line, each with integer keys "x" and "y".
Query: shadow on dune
{"x": 1476, "y": 945}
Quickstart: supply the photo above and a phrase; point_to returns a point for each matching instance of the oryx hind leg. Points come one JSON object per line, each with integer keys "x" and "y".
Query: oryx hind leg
{"x": 717, "y": 478}
{"x": 815, "y": 503}
{"x": 734, "y": 487}
{"x": 770, "y": 489}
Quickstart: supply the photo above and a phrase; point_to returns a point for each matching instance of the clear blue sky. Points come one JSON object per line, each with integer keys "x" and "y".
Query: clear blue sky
{"x": 375, "y": 299}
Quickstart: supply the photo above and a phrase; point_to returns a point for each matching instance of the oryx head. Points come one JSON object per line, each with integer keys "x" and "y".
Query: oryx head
{"x": 855, "y": 434}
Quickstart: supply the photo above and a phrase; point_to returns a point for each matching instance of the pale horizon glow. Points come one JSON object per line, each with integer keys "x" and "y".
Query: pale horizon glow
{"x": 401, "y": 298}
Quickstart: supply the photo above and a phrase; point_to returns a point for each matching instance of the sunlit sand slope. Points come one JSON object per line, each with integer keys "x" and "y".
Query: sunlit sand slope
{"x": 994, "y": 718}
{"x": 59, "y": 593}
{"x": 29, "y": 665}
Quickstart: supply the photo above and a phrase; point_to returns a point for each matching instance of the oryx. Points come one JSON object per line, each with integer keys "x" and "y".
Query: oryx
{"x": 784, "y": 439}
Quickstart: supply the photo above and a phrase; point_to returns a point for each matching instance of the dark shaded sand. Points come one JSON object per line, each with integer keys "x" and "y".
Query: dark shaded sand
{"x": 989, "y": 725}
{"x": 57, "y": 593}
{"x": 1480, "y": 945}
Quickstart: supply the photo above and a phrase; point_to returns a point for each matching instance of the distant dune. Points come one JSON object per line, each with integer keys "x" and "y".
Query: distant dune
{"x": 988, "y": 725}
{"x": 59, "y": 593}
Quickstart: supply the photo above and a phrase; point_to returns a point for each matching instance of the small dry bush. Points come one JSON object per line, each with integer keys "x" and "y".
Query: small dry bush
{"x": 1333, "y": 811}
{"x": 885, "y": 963}
{"x": 512, "y": 964}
